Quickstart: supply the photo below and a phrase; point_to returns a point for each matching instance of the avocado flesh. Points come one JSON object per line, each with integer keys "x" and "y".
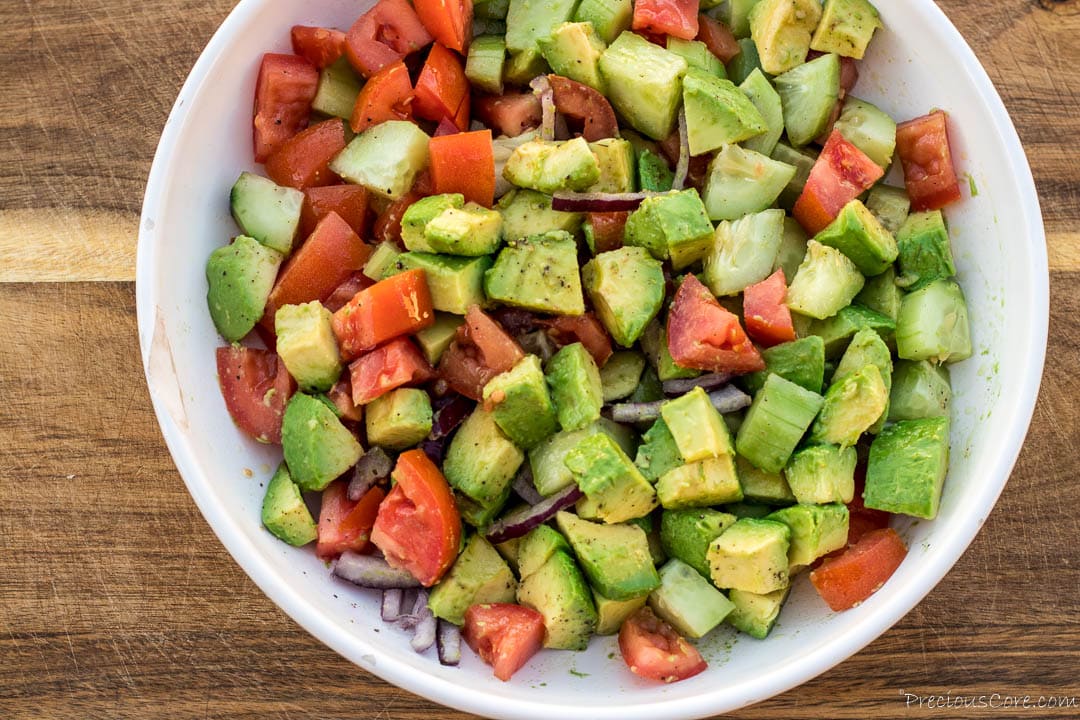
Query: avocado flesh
{"x": 751, "y": 554}
{"x": 837, "y": 331}
{"x": 626, "y": 286}
{"x": 712, "y": 481}
{"x": 754, "y": 613}
{"x": 546, "y": 460}
{"x": 717, "y": 112}
{"x": 551, "y": 166}
{"x": 673, "y": 226}
{"x": 907, "y": 467}
{"x": 687, "y": 534}
{"x": 558, "y": 591}
{"x": 479, "y": 575}
{"x": 573, "y": 50}
{"x": 317, "y": 447}
{"x": 621, "y": 374}
{"x": 771, "y": 488}
{"x": 539, "y": 273}
{"x": 781, "y": 31}
{"x": 239, "y": 279}
{"x": 574, "y": 381}
{"x": 470, "y": 231}
{"x": 521, "y": 403}
{"x": 816, "y": 530}
{"x": 537, "y": 546}
{"x": 615, "y": 558}
{"x": 399, "y": 419}
{"x": 696, "y": 426}
{"x": 858, "y": 234}
{"x": 420, "y": 213}
{"x": 800, "y": 361}
{"x": 284, "y": 513}
{"x": 456, "y": 283}
{"x": 481, "y": 461}
{"x": 611, "y": 613}
{"x": 615, "y": 490}
{"x": 658, "y": 452}
{"x": 867, "y": 348}
{"x": 846, "y": 27}
{"x": 617, "y": 165}
{"x": 527, "y": 212}
{"x": 852, "y": 405}
{"x": 610, "y": 17}
{"x": 890, "y": 205}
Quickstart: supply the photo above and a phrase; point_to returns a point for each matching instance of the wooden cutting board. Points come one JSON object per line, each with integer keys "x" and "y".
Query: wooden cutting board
{"x": 117, "y": 601}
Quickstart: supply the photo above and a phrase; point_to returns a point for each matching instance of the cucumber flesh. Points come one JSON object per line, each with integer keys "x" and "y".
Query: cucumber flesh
{"x": 803, "y": 161}
{"x": 868, "y": 128}
{"x": 609, "y": 17}
{"x": 266, "y": 211}
{"x": 742, "y": 181}
{"x": 775, "y": 423}
{"x": 484, "y": 66}
{"x": 765, "y": 98}
{"x": 808, "y": 93}
{"x": 743, "y": 252}
{"x": 890, "y": 205}
{"x": 742, "y": 65}
{"x": 933, "y": 324}
{"x": 338, "y": 87}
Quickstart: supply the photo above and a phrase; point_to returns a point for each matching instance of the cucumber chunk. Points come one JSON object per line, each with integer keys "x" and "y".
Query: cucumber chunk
{"x": 743, "y": 252}
{"x": 266, "y": 211}
{"x": 775, "y": 423}
{"x": 920, "y": 389}
{"x": 808, "y": 93}
{"x": 767, "y": 101}
{"x": 827, "y": 280}
{"x": 933, "y": 324}
{"x": 485, "y": 62}
{"x": 868, "y": 128}
{"x": 338, "y": 87}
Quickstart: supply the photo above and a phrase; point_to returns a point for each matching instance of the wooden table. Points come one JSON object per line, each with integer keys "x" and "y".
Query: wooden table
{"x": 116, "y": 600}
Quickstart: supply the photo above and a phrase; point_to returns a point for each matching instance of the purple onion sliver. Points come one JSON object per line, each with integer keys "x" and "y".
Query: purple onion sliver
{"x": 516, "y": 321}
{"x": 371, "y": 572}
{"x": 424, "y": 632}
{"x": 391, "y": 604}
{"x": 372, "y": 468}
{"x": 729, "y": 399}
{"x": 682, "y": 167}
{"x": 680, "y": 386}
{"x": 448, "y": 642}
{"x": 524, "y": 487}
{"x": 634, "y": 412}
{"x": 541, "y": 87}
{"x": 522, "y": 521}
{"x": 562, "y": 130}
{"x": 434, "y": 449}
{"x": 598, "y": 202}
{"x": 449, "y": 416}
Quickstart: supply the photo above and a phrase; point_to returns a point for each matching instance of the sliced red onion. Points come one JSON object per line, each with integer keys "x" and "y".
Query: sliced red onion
{"x": 417, "y": 601}
{"x": 599, "y": 202}
{"x": 522, "y": 521}
{"x": 371, "y": 572}
{"x": 682, "y": 167}
{"x": 524, "y": 487}
{"x": 446, "y": 127}
{"x": 537, "y": 343}
{"x": 373, "y": 468}
{"x": 562, "y": 130}
{"x": 447, "y": 418}
{"x": 435, "y": 449}
{"x": 729, "y": 399}
{"x": 424, "y": 632}
{"x": 681, "y": 386}
{"x": 391, "y": 604}
{"x": 541, "y": 87}
{"x": 448, "y": 642}
{"x": 633, "y": 412}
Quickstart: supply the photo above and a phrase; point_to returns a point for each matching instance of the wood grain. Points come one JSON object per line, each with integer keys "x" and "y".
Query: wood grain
{"x": 116, "y": 600}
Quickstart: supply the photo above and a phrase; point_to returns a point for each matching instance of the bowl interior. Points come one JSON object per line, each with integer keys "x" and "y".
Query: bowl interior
{"x": 1000, "y": 254}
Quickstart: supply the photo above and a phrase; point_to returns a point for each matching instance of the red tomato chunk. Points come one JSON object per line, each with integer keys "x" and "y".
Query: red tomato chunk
{"x": 385, "y": 368}
{"x": 841, "y": 173}
{"x": 653, "y": 650}
{"x": 284, "y": 91}
{"x": 398, "y": 305}
{"x": 703, "y": 335}
{"x": 344, "y": 524}
{"x": 849, "y": 578}
{"x": 504, "y": 635}
{"x": 256, "y": 387}
{"x": 922, "y": 145}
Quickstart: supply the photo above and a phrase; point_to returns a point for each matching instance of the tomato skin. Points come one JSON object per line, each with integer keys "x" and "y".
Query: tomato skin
{"x": 705, "y": 336}
{"x": 344, "y": 524}
{"x": 347, "y": 290}
{"x": 442, "y": 88}
{"x": 387, "y": 95}
{"x": 923, "y": 147}
{"x": 303, "y": 160}
{"x": 718, "y": 38}
{"x": 608, "y": 229}
{"x": 350, "y": 202}
{"x": 256, "y": 387}
{"x": 383, "y": 35}
{"x": 481, "y": 350}
{"x": 846, "y": 580}
{"x": 341, "y": 396}
{"x": 504, "y": 635}
{"x": 586, "y": 105}
{"x": 652, "y": 649}
{"x": 464, "y": 163}
{"x": 284, "y": 92}
{"x": 386, "y": 368}
{"x": 387, "y": 227}
{"x": 509, "y": 114}
{"x": 678, "y": 18}
{"x": 398, "y": 305}
{"x": 418, "y": 527}
{"x": 840, "y": 174}
{"x": 768, "y": 319}
{"x": 585, "y": 329}
{"x": 449, "y": 21}
{"x": 318, "y": 45}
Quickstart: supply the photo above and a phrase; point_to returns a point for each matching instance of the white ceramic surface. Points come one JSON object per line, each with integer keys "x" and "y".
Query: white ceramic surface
{"x": 919, "y": 62}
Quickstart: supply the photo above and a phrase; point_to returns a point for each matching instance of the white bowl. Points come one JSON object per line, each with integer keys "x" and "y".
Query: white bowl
{"x": 917, "y": 63}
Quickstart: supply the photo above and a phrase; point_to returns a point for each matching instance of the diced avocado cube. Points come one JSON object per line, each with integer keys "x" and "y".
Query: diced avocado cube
{"x": 284, "y": 513}
{"x": 933, "y": 324}
{"x": 867, "y": 348}
{"x": 615, "y": 490}
{"x": 675, "y": 226}
{"x": 881, "y": 294}
{"x": 658, "y": 453}
{"x": 381, "y": 262}
{"x": 907, "y": 467}
{"x": 753, "y": 510}
{"x": 479, "y": 575}
{"x": 434, "y": 340}
{"x": 852, "y": 405}
{"x": 317, "y": 447}
{"x": 751, "y": 555}
{"x": 754, "y": 613}
{"x": 573, "y": 50}
{"x": 481, "y": 515}
{"x": 822, "y": 474}
{"x": 697, "y": 427}
{"x": 697, "y": 56}
{"x": 485, "y": 62}
{"x": 802, "y": 159}
{"x": 549, "y": 166}
{"x": 508, "y": 549}
{"x": 781, "y": 31}
{"x": 617, "y": 165}
{"x": 654, "y": 173}
{"x": 471, "y": 231}
{"x": 266, "y": 211}
{"x": 712, "y": 481}
{"x": 717, "y": 112}
{"x": 615, "y": 558}
{"x": 920, "y": 389}
{"x": 644, "y": 83}
{"x": 537, "y": 546}
{"x": 745, "y": 63}
{"x": 307, "y": 345}
{"x": 688, "y": 601}
{"x": 527, "y": 212}
{"x": 742, "y": 181}
{"x": 742, "y": 252}
{"x": 652, "y": 534}
{"x": 870, "y": 129}
{"x": 924, "y": 249}
{"x": 827, "y": 281}
{"x": 890, "y": 205}
{"x": 801, "y": 361}
{"x": 420, "y": 213}
{"x": 858, "y": 234}
{"x": 687, "y": 534}
{"x": 455, "y": 282}
{"x": 538, "y": 273}
{"x": 846, "y": 28}
{"x": 733, "y": 13}
{"x": 385, "y": 158}
{"x": 609, "y": 17}
{"x": 546, "y": 460}
{"x": 525, "y": 65}
{"x": 399, "y": 419}
{"x": 761, "y": 486}
{"x": 775, "y": 423}
{"x": 239, "y": 279}
{"x": 612, "y": 613}
{"x": 558, "y": 591}
{"x": 654, "y": 343}
{"x": 530, "y": 21}
{"x": 338, "y": 88}
{"x": 621, "y": 374}
{"x": 808, "y": 94}
{"x": 763, "y": 95}
{"x": 574, "y": 381}
{"x": 626, "y": 286}
{"x": 521, "y": 404}
{"x": 836, "y": 332}
{"x": 481, "y": 462}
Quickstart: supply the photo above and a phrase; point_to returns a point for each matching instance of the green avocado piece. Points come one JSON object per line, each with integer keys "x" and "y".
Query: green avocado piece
{"x": 481, "y": 462}
{"x": 924, "y": 250}
{"x": 827, "y": 281}
{"x": 538, "y": 273}
{"x": 612, "y": 613}
{"x": 757, "y": 88}
{"x": 626, "y": 286}
{"x": 920, "y": 389}
{"x": 618, "y": 167}
{"x": 284, "y": 513}
{"x": 688, "y": 601}
{"x": 658, "y": 452}
{"x": 546, "y": 460}
{"x": 550, "y": 166}
{"x": 239, "y": 279}
{"x": 687, "y": 534}
{"x": 751, "y": 555}
{"x": 654, "y": 174}
{"x": 837, "y": 331}
{"x": 574, "y": 381}
{"x": 816, "y": 530}
{"x": 717, "y": 112}
{"x": 381, "y": 262}
{"x": 852, "y": 405}
{"x": 491, "y": 9}
{"x": 420, "y": 213}
{"x": 867, "y": 348}
{"x": 573, "y": 50}
{"x": 775, "y": 423}
{"x": 781, "y": 31}
{"x": 801, "y": 361}
{"x": 558, "y": 591}
{"x": 307, "y": 345}
{"x": 741, "y": 181}
{"x": 471, "y": 231}
{"x": 675, "y": 225}
{"x": 266, "y": 211}
{"x": 858, "y": 234}
{"x": 907, "y": 466}
{"x": 846, "y": 27}
{"x": 615, "y": 558}
{"x": 615, "y": 490}
{"x": 527, "y": 212}
{"x": 743, "y": 65}
{"x": 933, "y": 324}
{"x": 609, "y": 17}
{"x": 537, "y": 546}
{"x": 698, "y": 429}
{"x": 621, "y": 374}
{"x": 435, "y": 339}
{"x": 479, "y": 515}
{"x": 760, "y": 486}
{"x": 385, "y": 158}
{"x": 753, "y": 510}
{"x": 399, "y": 419}
{"x": 754, "y": 613}
{"x": 881, "y": 294}
{"x": 317, "y": 447}
{"x": 455, "y": 282}
{"x": 522, "y": 406}
{"x": 650, "y": 389}
{"x": 890, "y": 205}
{"x": 479, "y": 575}
{"x": 743, "y": 251}
{"x": 697, "y": 56}
{"x": 644, "y": 83}
{"x": 698, "y": 484}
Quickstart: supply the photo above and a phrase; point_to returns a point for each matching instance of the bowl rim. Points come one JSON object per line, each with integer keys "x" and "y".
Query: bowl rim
{"x": 371, "y": 658}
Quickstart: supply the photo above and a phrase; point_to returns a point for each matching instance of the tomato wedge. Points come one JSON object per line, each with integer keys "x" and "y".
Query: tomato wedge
{"x": 678, "y": 18}
{"x": 846, "y": 580}
{"x": 464, "y": 163}
{"x": 442, "y": 89}
{"x": 922, "y": 145}
{"x": 768, "y": 320}
{"x": 388, "y": 95}
{"x": 284, "y": 91}
{"x": 718, "y": 38}
{"x": 509, "y": 114}
{"x": 256, "y": 387}
{"x": 481, "y": 350}
{"x": 840, "y": 174}
{"x": 418, "y": 527}
{"x": 347, "y": 290}
{"x": 318, "y": 45}
{"x": 449, "y": 21}
{"x": 303, "y": 160}
{"x": 585, "y": 105}
{"x": 653, "y": 650}
{"x": 703, "y": 335}
{"x": 341, "y": 396}
{"x": 350, "y": 202}
{"x": 398, "y": 305}
{"x": 607, "y": 229}
{"x": 387, "y": 227}
{"x": 344, "y": 524}
{"x": 386, "y": 368}
{"x": 504, "y": 635}
{"x": 585, "y": 329}
{"x": 383, "y": 35}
